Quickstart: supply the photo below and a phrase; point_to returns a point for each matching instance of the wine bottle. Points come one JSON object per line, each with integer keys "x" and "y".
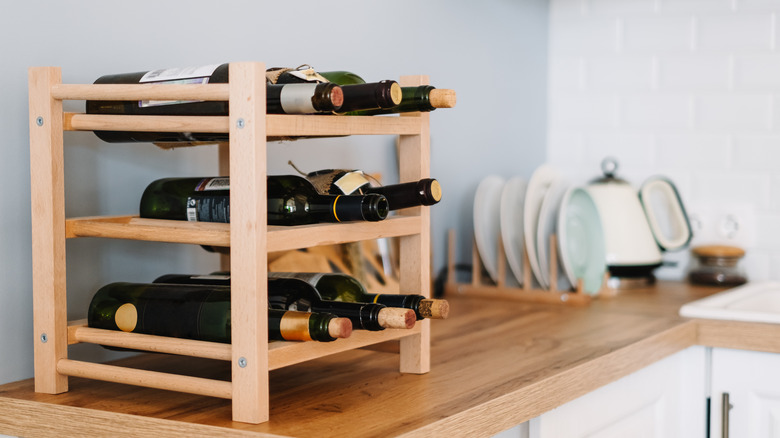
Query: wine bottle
{"x": 292, "y": 200}
{"x": 198, "y": 312}
{"x": 342, "y": 287}
{"x": 426, "y": 191}
{"x": 333, "y": 287}
{"x": 288, "y": 293}
{"x": 423, "y": 98}
{"x": 358, "y": 95}
{"x": 302, "y": 98}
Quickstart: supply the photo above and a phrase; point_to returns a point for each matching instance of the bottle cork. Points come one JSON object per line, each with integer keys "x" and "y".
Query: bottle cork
{"x": 435, "y": 309}
{"x": 442, "y": 98}
{"x": 397, "y": 317}
{"x": 340, "y": 327}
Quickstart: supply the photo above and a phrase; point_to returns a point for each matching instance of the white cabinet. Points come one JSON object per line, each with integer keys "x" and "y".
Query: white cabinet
{"x": 665, "y": 399}
{"x": 752, "y": 381}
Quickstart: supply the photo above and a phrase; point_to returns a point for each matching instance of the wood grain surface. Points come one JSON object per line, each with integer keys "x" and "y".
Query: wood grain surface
{"x": 494, "y": 364}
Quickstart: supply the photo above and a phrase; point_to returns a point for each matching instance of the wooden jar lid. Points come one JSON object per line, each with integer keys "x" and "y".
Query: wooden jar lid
{"x": 718, "y": 251}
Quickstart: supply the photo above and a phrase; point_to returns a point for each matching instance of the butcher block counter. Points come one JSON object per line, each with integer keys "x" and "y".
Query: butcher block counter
{"x": 494, "y": 364}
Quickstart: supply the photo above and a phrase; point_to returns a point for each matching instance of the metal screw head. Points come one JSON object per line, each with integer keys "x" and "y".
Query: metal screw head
{"x": 44, "y": 338}
{"x": 39, "y": 121}
{"x": 242, "y": 362}
{"x": 564, "y": 297}
{"x": 240, "y": 123}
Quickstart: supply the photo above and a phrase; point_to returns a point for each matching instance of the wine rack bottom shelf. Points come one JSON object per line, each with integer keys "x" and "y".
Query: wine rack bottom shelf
{"x": 280, "y": 354}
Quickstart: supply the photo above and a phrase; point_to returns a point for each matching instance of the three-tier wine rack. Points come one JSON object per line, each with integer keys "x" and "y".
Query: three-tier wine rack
{"x": 248, "y": 236}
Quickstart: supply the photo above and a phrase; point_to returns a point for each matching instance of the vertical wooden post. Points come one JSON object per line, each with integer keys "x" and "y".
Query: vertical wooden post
{"x": 415, "y": 277}
{"x": 47, "y": 196}
{"x": 248, "y": 245}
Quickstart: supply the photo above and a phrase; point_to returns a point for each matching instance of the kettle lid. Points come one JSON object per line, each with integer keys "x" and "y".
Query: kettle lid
{"x": 609, "y": 166}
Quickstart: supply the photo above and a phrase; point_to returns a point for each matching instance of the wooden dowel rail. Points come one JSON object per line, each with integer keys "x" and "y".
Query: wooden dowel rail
{"x": 112, "y": 122}
{"x": 211, "y": 92}
{"x": 156, "y": 344}
{"x": 148, "y": 379}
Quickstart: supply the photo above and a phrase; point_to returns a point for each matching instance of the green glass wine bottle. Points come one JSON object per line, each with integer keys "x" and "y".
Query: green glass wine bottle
{"x": 358, "y": 94}
{"x": 292, "y": 200}
{"x": 426, "y": 191}
{"x": 303, "y": 98}
{"x": 199, "y": 312}
{"x": 289, "y": 293}
{"x": 332, "y": 287}
{"x": 423, "y": 98}
{"x": 342, "y": 287}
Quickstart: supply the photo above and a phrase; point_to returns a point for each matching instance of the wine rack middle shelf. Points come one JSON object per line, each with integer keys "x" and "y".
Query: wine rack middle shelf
{"x": 280, "y": 238}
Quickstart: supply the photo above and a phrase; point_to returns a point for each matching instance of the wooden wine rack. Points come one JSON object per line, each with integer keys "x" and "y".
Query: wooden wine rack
{"x": 248, "y": 235}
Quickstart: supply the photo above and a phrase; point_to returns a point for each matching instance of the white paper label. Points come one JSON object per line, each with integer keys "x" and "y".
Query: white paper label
{"x": 350, "y": 182}
{"x": 174, "y": 74}
{"x": 296, "y": 98}
{"x": 221, "y": 183}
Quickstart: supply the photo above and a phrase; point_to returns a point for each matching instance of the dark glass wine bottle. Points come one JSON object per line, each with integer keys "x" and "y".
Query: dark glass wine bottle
{"x": 358, "y": 95}
{"x": 198, "y": 312}
{"x": 291, "y": 201}
{"x": 333, "y": 287}
{"x": 426, "y": 191}
{"x": 304, "y": 98}
{"x": 297, "y": 294}
{"x": 342, "y": 287}
{"x": 423, "y": 98}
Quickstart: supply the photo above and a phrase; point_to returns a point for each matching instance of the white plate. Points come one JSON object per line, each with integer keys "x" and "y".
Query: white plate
{"x": 487, "y": 203}
{"x": 537, "y": 186}
{"x": 547, "y": 226}
{"x": 512, "y": 198}
{"x": 581, "y": 240}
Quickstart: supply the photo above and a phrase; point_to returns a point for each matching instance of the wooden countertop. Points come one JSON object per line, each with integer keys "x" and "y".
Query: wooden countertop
{"x": 494, "y": 365}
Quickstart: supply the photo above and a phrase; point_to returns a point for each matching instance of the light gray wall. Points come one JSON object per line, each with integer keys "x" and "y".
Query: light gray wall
{"x": 493, "y": 53}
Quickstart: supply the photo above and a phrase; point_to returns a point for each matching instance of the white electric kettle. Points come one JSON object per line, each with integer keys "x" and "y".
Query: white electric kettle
{"x": 638, "y": 226}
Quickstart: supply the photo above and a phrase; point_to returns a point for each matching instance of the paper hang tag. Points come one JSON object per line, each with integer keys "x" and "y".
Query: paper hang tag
{"x": 308, "y": 75}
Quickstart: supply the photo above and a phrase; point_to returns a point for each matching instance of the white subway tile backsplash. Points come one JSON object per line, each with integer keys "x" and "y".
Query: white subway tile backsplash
{"x": 619, "y": 73}
{"x": 620, "y": 7}
{"x": 734, "y": 112}
{"x": 693, "y": 151}
{"x": 694, "y": 72}
{"x": 685, "y": 88}
{"x": 694, "y": 6}
{"x": 759, "y": 72}
{"x": 657, "y": 34}
{"x": 757, "y": 153}
{"x": 566, "y": 74}
{"x": 583, "y": 111}
{"x": 599, "y": 35}
{"x": 733, "y": 186}
{"x": 655, "y": 112}
{"x": 740, "y": 32}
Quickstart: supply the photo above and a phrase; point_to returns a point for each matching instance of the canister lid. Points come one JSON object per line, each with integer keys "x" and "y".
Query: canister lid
{"x": 718, "y": 251}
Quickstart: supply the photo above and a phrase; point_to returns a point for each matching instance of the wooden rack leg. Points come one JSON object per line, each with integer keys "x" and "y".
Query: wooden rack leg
{"x": 414, "y": 164}
{"x": 248, "y": 245}
{"x": 47, "y": 191}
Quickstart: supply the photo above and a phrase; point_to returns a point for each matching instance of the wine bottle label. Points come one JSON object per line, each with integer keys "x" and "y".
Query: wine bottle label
{"x": 211, "y": 277}
{"x": 126, "y": 317}
{"x": 207, "y": 184}
{"x": 296, "y": 98}
{"x": 308, "y": 75}
{"x": 208, "y": 208}
{"x": 173, "y": 74}
{"x": 186, "y": 75}
{"x": 310, "y": 277}
{"x": 351, "y": 182}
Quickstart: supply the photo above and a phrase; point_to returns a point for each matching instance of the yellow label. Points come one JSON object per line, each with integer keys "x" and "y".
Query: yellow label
{"x": 294, "y": 326}
{"x": 126, "y": 317}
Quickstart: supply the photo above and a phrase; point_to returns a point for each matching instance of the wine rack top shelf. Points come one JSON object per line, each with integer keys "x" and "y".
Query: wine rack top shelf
{"x": 279, "y": 238}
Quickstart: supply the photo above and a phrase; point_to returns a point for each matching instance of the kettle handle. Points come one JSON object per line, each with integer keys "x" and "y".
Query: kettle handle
{"x": 678, "y": 229}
